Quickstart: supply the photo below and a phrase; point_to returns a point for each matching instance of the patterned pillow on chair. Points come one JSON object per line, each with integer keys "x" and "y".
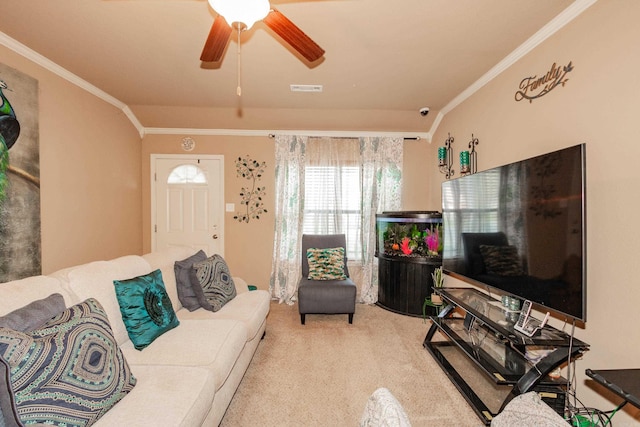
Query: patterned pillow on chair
{"x": 69, "y": 372}
{"x": 326, "y": 263}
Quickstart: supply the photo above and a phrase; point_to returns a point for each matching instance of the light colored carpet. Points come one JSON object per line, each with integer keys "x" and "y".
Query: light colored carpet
{"x": 322, "y": 373}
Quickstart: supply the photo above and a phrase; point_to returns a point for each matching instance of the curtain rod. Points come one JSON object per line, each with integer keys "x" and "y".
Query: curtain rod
{"x": 406, "y": 138}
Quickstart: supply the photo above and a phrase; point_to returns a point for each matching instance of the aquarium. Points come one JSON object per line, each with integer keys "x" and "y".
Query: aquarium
{"x": 409, "y": 234}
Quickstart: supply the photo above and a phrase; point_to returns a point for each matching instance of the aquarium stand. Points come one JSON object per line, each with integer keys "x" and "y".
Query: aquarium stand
{"x": 407, "y": 252}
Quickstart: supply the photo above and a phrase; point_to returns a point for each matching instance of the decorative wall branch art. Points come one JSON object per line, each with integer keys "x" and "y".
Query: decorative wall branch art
{"x": 251, "y": 170}
{"x": 20, "y": 245}
{"x": 536, "y": 87}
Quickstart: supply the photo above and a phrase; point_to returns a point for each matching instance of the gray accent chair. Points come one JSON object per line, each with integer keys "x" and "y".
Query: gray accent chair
{"x": 325, "y": 296}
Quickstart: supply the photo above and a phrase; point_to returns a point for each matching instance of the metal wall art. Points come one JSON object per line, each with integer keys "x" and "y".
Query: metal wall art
{"x": 535, "y": 87}
{"x": 251, "y": 196}
{"x": 469, "y": 159}
{"x": 445, "y": 158}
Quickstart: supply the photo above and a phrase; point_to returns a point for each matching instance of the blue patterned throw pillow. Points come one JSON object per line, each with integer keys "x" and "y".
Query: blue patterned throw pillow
{"x": 146, "y": 308}
{"x": 69, "y": 372}
{"x": 326, "y": 263}
{"x": 212, "y": 283}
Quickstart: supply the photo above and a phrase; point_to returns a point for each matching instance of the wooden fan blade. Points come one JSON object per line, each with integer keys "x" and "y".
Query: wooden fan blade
{"x": 293, "y": 35}
{"x": 217, "y": 41}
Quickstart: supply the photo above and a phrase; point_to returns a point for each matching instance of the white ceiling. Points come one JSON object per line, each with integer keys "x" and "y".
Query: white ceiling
{"x": 380, "y": 55}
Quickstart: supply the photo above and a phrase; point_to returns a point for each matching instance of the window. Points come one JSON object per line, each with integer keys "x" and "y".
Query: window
{"x": 187, "y": 174}
{"x": 332, "y": 204}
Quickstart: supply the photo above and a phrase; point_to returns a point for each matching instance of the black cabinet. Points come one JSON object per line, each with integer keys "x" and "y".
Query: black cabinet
{"x": 404, "y": 283}
{"x": 409, "y": 249}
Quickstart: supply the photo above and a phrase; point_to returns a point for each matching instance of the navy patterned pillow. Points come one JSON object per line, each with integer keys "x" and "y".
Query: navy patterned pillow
{"x": 146, "y": 308}
{"x": 68, "y": 373}
{"x": 213, "y": 283}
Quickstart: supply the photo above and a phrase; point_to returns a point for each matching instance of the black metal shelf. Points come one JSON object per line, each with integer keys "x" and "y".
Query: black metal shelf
{"x": 487, "y": 338}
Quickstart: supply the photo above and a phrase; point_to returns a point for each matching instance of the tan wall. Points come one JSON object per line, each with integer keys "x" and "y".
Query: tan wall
{"x": 249, "y": 246}
{"x": 95, "y": 173}
{"x": 599, "y": 105}
{"x": 89, "y": 171}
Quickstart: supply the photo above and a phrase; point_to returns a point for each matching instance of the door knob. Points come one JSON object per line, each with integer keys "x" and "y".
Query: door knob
{"x": 215, "y": 237}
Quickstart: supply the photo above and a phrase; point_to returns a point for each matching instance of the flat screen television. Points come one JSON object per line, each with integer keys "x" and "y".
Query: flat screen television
{"x": 520, "y": 228}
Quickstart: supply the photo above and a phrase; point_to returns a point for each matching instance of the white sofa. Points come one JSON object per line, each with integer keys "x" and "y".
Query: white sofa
{"x": 188, "y": 375}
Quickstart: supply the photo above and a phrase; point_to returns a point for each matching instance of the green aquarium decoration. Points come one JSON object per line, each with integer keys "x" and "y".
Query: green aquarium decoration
{"x": 409, "y": 240}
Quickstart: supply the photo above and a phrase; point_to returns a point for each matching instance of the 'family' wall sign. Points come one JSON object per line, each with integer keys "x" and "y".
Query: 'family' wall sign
{"x": 535, "y": 87}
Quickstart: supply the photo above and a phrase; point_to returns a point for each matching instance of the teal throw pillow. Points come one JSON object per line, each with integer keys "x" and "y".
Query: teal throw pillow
{"x": 69, "y": 372}
{"x": 146, "y": 308}
{"x": 326, "y": 264}
{"x": 212, "y": 282}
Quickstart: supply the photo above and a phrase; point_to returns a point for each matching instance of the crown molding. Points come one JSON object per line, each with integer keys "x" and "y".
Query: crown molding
{"x": 562, "y": 19}
{"x": 56, "y": 69}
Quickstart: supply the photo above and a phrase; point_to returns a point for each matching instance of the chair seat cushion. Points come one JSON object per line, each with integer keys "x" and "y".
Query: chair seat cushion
{"x": 326, "y": 296}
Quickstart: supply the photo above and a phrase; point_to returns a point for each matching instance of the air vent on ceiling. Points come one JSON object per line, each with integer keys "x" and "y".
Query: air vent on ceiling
{"x": 306, "y": 88}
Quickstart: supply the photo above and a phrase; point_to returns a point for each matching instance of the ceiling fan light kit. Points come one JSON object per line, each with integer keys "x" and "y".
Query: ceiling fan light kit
{"x": 242, "y": 14}
{"x": 247, "y": 12}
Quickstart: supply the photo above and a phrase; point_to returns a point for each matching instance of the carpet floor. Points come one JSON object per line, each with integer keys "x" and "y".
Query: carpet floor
{"x": 321, "y": 373}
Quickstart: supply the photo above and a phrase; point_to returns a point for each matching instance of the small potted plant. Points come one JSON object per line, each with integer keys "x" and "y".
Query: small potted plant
{"x": 438, "y": 282}
{"x": 435, "y": 300}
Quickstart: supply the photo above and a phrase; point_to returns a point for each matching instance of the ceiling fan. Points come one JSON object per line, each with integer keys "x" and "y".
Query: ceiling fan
{"x": 241, "y": 15}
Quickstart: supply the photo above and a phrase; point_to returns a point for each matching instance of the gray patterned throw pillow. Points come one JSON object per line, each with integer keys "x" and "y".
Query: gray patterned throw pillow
{"x": 70, "y": 371}
{"x": 216, "y": 286}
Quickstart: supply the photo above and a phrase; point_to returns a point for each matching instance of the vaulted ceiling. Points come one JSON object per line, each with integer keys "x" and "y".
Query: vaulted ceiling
{"x": 393, "y": 56}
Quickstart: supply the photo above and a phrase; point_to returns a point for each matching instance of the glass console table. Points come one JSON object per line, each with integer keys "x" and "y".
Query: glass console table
{"x": 488, "y": 360}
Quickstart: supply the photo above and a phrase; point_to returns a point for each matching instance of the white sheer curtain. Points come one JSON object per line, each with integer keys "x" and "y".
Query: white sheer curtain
{"x": 381, "y": 184}
{"x": 333, "y": 185}
{"x": 287, "y": 243}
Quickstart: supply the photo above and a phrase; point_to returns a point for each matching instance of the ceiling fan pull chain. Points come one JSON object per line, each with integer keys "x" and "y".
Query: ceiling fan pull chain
{"x": 239, "y": 88}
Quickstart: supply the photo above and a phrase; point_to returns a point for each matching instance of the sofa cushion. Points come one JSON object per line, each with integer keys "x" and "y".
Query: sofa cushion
{"x": 186, "y": 292}
{"x": 216, "y": 284}
{"x": 164, "y": 259}
{"x": 146, "y": 308}
{"x": 164, "y": 396}
{"x": 95, "y": 280}
{"x": 35, "y": 314}
{"x": 215, "y": 344}
{"x": 71, "y": 371}
{"x": 326, "y": 263}
{"x": 250, "y": 308}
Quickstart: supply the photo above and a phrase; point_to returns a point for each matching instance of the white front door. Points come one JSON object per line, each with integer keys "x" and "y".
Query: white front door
{"x": 187, "y": 193}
